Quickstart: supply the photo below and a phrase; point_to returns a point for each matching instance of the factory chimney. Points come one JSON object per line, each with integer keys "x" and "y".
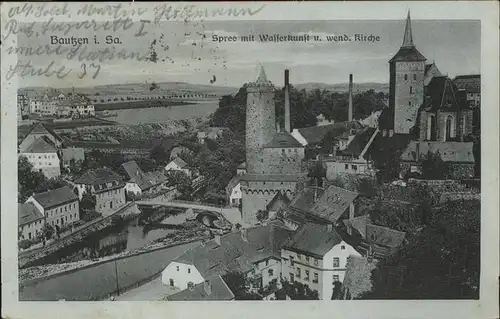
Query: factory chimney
{"x": 350, "y": 98}
{"x": 287, "y": 101}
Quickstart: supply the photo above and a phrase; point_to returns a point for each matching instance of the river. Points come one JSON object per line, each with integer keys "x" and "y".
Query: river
{"x": 164, "y": 114}
{"x": 129, "y": 236}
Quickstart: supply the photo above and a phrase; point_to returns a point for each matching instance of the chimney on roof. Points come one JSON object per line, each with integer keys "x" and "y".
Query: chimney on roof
{"x": 329, "y": 227}
{"x": 350, "y": 98}
{"x": 217, "y": 239}
{"x": 288, "y": 127}
{"x": 207, "y": 285}
{"x": 278, "y": 127}
{"x": 244, "y": 234}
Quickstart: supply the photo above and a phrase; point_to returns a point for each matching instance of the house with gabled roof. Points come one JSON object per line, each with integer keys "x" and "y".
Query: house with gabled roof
{"x": 241, "y": 169}
{"x": 37, "y": 131}
{"x": 59, "y": 206}
{"x": 42, "y": 154}
{"x": 107, "y": 187}
{"x": 316, "y": 256}
{"x": 255, "y": 252}
{"x": 233, "y": 191}
{"x": 373, "y": 240}
{"x": 179, "y": 165}
{"x": 30, "y": 221}
{"x": 213, "y": 288}
{"x": 143, "y": 182}
{"x": 320, "y": 205}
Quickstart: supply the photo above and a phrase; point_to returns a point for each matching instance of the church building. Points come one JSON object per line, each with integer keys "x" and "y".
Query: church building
{"x": 273, "y": 157}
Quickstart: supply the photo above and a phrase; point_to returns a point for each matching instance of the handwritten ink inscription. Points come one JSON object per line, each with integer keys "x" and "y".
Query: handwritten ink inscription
{"x": 61, "y": 48}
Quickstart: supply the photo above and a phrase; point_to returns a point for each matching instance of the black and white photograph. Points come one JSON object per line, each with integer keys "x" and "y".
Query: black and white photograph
{"x": 183, "y": 157}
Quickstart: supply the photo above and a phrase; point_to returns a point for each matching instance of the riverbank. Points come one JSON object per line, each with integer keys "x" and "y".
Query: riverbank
{"x": 100, "y": 280}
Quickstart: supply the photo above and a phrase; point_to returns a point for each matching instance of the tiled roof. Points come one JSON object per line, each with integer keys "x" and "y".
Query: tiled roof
{"x": 276, "y": 199}
{"x": 408, "y": 54}
{"x": 40, "y": 145}
{"x": 180, "y": 162}
{"x": 306, "y": 198}
{"x": 99, "y": 176}
{"x": 39, "y": 128}
{"x": 428, "y": 67}
{"x": 442, "y": 93}
{"x": 75, "y": 153}
{"x": 55, "y": 197}
{"x": 384, "y": 236}
{"x": 283, "y": 140}
{"x": 272, "y": 177}
{"x": 315, "y": 134}
{"x": 314, "y": 238}
{"x": 218, "y": 291}
{"x": 359, "y": 224}
{"x": 358, "y": 143}
{"x": 234, "y": 253}
{"x": 469, "y": 83}
{"x": 232, "y": 184}
{"x": 143, "y": 180}
{"x": 330, "y": 205}
{"x": 28, "y": 213}
{"x": 459, "y": 152}
{"x": 358, "y": 275}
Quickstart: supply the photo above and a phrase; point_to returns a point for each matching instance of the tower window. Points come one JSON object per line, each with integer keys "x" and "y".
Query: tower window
{"x": 406, "y": 77}
{"x": 409, "y": 103}
{"x": 411, "y": 89}
{"x": 414, "y": 76}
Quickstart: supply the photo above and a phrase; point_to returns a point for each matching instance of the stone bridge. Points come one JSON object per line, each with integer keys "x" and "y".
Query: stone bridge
{"x": 231, "y": 214}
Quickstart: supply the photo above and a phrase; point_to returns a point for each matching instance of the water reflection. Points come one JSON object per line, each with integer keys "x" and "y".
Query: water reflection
{"x": 151, "y": 225}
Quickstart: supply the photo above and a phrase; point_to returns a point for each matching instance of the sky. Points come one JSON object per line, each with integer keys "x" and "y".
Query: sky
{"x": 186, "y": 52}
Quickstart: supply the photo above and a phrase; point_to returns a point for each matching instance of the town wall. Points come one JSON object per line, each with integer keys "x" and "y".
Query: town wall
{"x": 283, "y": 160}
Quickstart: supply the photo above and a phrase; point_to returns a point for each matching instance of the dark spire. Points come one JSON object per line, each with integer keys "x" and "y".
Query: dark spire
{"x": 408, "y": 38}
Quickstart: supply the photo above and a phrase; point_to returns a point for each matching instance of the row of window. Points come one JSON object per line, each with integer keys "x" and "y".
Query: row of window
{"x": 336, "y": 260}
{"x": 306, "y": 276}
{"x": 61, "y": 220}
{"x": 188, "y": 270}
{"x": 354, "y": 167}
{"x": 59, "y": 210}
{"x": 33, "y": 224}
{"x": 414, "y": 77}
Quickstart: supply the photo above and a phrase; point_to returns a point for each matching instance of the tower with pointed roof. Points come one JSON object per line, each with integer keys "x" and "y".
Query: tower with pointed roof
{"x": 260, "y": 121}
{"x": 406, "y": 83}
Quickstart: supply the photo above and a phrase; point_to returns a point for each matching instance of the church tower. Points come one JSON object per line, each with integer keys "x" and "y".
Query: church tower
{"x": 406, "y": 83}
{"x": 260, "y": 121}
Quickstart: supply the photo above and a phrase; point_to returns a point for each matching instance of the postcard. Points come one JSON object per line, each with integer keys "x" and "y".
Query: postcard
{"x": 243, "y": 159}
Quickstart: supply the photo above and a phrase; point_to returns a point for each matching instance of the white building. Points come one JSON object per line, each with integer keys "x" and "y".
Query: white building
{"x": 233, "y": 191}
{"x": 177, "y": 164}
{"x": 316, "y": 256}
{"x": 43, "y": 156}
{"x": 59, "y": 206}
{"x": 44, "y": 106}
{"x": 254, "y": 252}
{"x": 30, "y": 221}
{"x": 107, "y": 187}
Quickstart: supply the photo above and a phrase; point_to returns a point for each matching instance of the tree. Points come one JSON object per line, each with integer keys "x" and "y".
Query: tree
{"x": 28, "y": 179}
{"x": 432, "y": 166}
{"x": 88, "y": 202}
{"x": 439, "y": 261}
{"x": 47, "y": 231}
{"x": 299, "y": 291}
{"x": 240, "y": 286}
{"x": 50, "y": 184}
{"x": 180, "y": 181}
